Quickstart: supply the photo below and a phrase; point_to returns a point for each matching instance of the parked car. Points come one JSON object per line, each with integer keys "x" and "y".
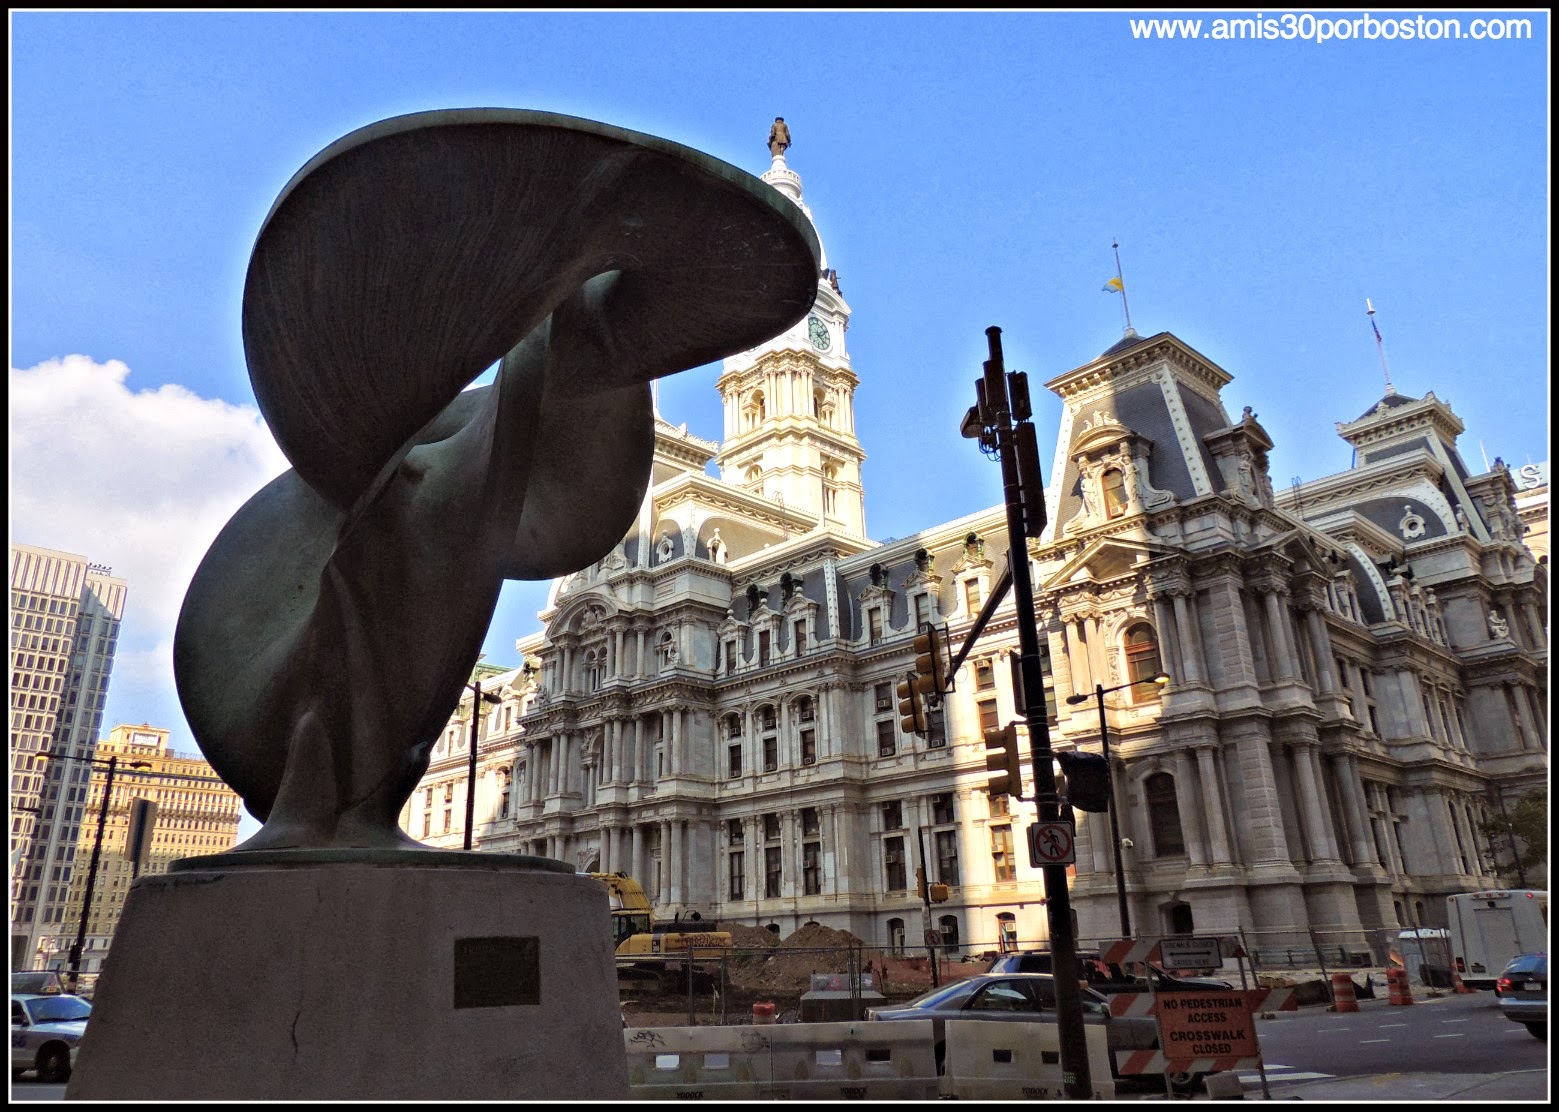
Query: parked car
{"x": 1024, "y": 997}
{"x": 1522, "y": 989}
{"x": 1108, "y": 978}
{"x": 45, "y": 1034}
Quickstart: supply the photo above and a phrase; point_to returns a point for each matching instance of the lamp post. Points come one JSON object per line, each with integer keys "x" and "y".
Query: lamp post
{"x": 477, "y": 699}
{"x": 1099, "y": 692}
{"x": 110, "y": 766}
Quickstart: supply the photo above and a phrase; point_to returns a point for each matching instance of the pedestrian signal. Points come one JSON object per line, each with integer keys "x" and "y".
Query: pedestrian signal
{"x": 1087, "y": 780}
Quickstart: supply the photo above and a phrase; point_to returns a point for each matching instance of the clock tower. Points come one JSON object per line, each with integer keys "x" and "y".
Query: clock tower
{"x": 789, "y": 402}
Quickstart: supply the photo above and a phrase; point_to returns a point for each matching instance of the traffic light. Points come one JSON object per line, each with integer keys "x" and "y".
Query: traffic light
{"x": 929, "y": 893}
{"x": 912, "y": 704}
{"x": 1087, "y": 780}
{"x": 931, "y": 662}
{"x": 1001, "y": 758}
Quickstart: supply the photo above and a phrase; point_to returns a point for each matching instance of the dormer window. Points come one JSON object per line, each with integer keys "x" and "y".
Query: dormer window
{"x": 1113, "y": 484}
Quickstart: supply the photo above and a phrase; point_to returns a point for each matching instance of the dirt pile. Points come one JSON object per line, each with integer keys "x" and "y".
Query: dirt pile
{"x": 787, "y": 966}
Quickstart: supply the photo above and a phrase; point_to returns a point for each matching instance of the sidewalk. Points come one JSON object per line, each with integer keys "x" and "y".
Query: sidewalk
{"x": 1474, "y": 1088}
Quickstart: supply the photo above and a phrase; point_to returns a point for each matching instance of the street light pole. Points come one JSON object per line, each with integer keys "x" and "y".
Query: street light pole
{"x": 1099, "y": 692}
{"x": 97, "y": 852}
{"x": 477, "y": 699}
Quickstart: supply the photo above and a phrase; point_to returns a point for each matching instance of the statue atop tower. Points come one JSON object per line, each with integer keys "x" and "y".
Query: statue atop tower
{"x": 779, "y": 138}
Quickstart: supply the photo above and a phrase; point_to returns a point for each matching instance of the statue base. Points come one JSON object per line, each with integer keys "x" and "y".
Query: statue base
{"x": 358, "y": 975}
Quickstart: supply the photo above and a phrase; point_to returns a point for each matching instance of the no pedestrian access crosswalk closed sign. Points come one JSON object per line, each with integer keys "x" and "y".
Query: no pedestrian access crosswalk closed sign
{"x": 1052, "y": 843}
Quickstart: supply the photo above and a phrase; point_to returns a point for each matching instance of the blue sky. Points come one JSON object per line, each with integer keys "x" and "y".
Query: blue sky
{"x": 964, "y": 170}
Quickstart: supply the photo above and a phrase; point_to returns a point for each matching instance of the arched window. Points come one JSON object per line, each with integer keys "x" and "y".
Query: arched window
{"x": 948, "y": 925}
{"x": 896, "y": 935}
{"x": 1007, "y": 932}
{"x": 1113, "y": 482}
{"x": 1164, "y": 815}
{"x": 1142, "y": 659}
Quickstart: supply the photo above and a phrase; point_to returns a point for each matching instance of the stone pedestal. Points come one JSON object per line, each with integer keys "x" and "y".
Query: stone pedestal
{"x": 366, "y": 975}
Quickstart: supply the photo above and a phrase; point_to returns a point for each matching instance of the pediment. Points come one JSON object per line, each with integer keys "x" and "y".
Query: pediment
{"x": 1104, "y": 559}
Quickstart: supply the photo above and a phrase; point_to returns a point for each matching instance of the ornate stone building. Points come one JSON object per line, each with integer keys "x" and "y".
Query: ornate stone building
{"x": 1359, "y": 663}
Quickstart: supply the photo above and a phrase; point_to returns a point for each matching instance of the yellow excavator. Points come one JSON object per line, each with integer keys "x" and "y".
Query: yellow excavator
{"x": 667, "y": 954}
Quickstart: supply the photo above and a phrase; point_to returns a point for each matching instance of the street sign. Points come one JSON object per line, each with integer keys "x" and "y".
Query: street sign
{"x": 1206, "y": 1025}
{"x": 1189, "y": 952}
{"x": 1052, "y": 843}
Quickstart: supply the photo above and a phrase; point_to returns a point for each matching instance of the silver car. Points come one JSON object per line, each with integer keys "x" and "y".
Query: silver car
{"x": 45, "y": 1034}
{"x": 1522, "y": 989}
{"x": 1024, "y": 997}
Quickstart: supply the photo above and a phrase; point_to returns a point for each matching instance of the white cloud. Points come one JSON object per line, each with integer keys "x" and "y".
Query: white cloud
{"x": 141, "y": 481}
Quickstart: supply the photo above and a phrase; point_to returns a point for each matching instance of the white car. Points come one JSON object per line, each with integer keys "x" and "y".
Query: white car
{"x": 45, "y": 1034}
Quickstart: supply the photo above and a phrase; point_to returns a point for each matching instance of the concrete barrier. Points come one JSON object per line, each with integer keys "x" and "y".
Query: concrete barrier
{"x": 786, "y": 1061}
{"x": 854, "y": 1061}
{"x": 698, "y": 1063}
{"x": 1017, "y": 1060}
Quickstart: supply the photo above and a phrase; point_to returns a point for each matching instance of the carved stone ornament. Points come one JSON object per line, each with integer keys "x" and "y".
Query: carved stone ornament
{"x": 394, "y": 269}
{"x": 1411, "y": 526}
{"x": 1499, "y": 628}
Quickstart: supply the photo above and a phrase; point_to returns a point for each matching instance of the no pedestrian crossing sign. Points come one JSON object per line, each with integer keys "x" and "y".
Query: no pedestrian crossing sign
{"x": 1052, "y": 843}
{"x": 1206, "y": 1025}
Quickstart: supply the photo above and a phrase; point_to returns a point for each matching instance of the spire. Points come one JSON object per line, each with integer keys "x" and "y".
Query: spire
{"x": 786, "y": 180}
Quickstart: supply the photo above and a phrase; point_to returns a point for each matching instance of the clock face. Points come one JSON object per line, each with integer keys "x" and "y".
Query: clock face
{"x": 817, "y": 332}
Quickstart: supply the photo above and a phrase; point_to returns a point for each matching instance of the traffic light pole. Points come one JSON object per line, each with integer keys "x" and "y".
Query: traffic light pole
{"x": 923, "y": 883}
{"x": 995, "y": 415}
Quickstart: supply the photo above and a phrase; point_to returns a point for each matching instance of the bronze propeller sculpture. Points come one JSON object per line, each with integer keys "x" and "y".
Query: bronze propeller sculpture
{"x": 331, "y": 627}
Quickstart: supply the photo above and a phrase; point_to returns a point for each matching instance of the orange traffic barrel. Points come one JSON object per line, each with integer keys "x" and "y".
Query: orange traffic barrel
{"x": 1344, "y": 998}
{"x": 763, "y": 1012}
{"x": 1401, "y": 988}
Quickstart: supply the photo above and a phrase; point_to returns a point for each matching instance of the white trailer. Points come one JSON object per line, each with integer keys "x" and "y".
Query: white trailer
{"x": 1489, "y": 928}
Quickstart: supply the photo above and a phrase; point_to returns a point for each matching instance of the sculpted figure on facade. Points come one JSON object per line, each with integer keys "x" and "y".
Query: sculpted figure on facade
{"x": 1499, "y": 628}
{"x": 395, "y": 268}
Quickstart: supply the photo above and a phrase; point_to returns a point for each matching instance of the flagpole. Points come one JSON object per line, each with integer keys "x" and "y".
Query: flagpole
{"x": 1380, "y": 346}
{"x": 1121, "y": 278}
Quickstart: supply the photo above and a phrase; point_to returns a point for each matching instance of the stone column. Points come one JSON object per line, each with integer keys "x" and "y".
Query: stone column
{"x": 1307, "y": 762}
{"x": 1098, "y": 652}
{"x": 1190, "y": 641}
{"x": 678, "y": 850}
{"x": 666, "y": 863}
{"x": 1470, "y": 851}
{"x": 1102, "y": 844}
{"x": 1077, "y": 657}
{"x": 1321, "y": 647}
{"x": 1169, "y": 646}
{"x": 1277, "y": 635}
{"x": 754, "y": 857}
{"x": 1261, "y": 813}
{"x": 1212, "y": 803}
{"x": 1346, "y": 768}
{"x": 1383, "y": 829}
{"x": 1526, "y": 729}
{"x": 1185, "y": 799}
